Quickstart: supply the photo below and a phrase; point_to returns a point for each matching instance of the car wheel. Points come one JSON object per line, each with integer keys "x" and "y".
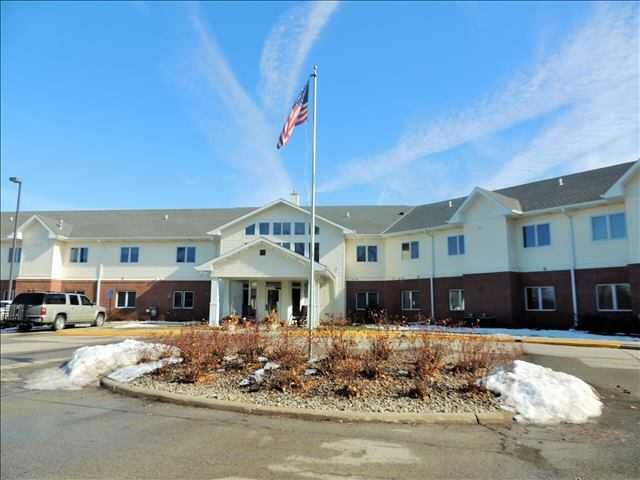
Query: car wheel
{"x": 59, "y": 323}
{"x": 99, "y": 320}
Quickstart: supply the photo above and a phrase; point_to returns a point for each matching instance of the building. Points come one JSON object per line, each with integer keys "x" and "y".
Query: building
{"x": 542, "y": 254}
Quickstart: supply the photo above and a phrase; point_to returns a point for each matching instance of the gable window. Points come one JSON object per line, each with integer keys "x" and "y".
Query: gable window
{"x": 18, "y": 255}
{"x": 277, "y": 228}
{"x": 367, "y": 253}
{"x": 540, "y": 298}
{"x": 410, "y": 299}
{"x": 183, "y": 299}
{"x": 250, "y": 229}
{"x": 126, "y": 300}
{"x": 280, "y": 228}
{"x": 286, "y": 228}
{"x": 608, "y": 227}
{"x": 298, "y": 228}
{"x": 286, "y": 245}
{"x": 79, "y": 255}
{"x": 263, "y": 228}
{"x": 536, "y": 235}
{"x": 186, "y": 254}
{"x": 365, "y": 300}
{"x": 316, "y": 253}
{"x": 455, "y": 245}
{"x": 410, "y": 250}
{"x": 299, "y": 247}
{"x": 456, "y": 300}
{"x": 614, "y": 297}
{"x": 129, "y": 254}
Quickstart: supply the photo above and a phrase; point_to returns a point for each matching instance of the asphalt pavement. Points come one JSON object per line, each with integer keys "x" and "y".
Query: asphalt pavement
{"x": 92, "y": 433}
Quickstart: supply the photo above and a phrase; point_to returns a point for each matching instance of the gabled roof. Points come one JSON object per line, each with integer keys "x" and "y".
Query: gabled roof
{"x": 506, "y": 204}
{"x": 207, "y": 266}
{"x": 617, "y": 189}
{"x": 280, "y": 201}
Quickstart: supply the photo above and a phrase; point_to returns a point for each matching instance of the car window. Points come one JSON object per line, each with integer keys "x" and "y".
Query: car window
{"x": 55, "y": 299}
{"x": 73, "y": 300}
{"x": 85, "y": 300}
{"x": 29, "y": 299}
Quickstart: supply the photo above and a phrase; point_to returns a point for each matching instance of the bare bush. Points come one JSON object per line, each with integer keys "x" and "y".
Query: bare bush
{"x": 250, "y": 343}
{"x": 380, "y": 347}
{"x": 287, "y": 351}
{"x": 287, "y": 380}
{"x": 429, "y": 358}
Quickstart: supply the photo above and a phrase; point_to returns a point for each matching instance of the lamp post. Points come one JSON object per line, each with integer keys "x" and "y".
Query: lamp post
{"x": 17, "y": 180}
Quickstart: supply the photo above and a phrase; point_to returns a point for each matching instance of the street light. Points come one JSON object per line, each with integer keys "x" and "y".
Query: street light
{"x": 17, "y": 180}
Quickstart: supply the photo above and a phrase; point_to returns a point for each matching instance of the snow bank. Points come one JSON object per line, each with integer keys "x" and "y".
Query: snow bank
{"x": 541, "y": 395}
{"x": 127, "y": 374}
{"x": 90, "y": 363}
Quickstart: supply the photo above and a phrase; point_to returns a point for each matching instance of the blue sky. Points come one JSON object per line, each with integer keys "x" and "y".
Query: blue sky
{"x": 178, "y": 105}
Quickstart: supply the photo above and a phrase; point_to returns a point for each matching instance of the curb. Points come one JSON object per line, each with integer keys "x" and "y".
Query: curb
{"x": 488, "y": 418}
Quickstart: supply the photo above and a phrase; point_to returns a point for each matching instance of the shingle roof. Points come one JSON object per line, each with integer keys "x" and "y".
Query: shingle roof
{"x": 364, "y": 219}
{"x": 576, "y": 188}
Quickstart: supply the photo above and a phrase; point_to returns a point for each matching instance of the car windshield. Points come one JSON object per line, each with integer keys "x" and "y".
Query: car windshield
{"x": 29, "y": 299}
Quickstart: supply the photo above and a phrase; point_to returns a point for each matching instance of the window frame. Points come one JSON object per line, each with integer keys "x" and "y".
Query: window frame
{"x": 540, "y": 299}
{"x": 367, "y": 294}
{"x": 367, "y": 249}
{"x": 18, "y": 254}
{"x": 267, "y": 227}
{"x": 299, "y": 228}
{"x": 81, "y": 255}
{"x": 410, "y": 250}
{"x": 129, "y": 256}
{"x": 459, "y": 244}
{"x": 187, "y": 249}
{"x": 460, "y": 294}
{"x": 182, "y": 294}
{"x": 608, "y": 229}
{"x": 250, "y": 230}
{"x": 614, "y": 297}
{"x": 127, "y": 295}
{"x": 535, "y": 228}
{"x": 304, "y": 248}
{"x": 412, "y": 300}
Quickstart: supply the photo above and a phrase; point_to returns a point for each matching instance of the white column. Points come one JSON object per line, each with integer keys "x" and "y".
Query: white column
{"x": 214, "y": 303}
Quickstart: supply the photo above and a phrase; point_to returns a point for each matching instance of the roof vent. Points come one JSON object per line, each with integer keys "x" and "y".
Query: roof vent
{"x": 60, "y": 224}
{"x": 295, "y": 198}
{"x": 400, "y": 213}
{"x": 450, "y": 203}
{"x": 348, "y": 214}
{"x": 560, "y": 181}
{"x": 166, "y": 217}
{"x": 11, "y": 219}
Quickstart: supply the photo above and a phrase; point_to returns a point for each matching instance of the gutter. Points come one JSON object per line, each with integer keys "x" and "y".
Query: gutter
{"x": 572, "y": 244}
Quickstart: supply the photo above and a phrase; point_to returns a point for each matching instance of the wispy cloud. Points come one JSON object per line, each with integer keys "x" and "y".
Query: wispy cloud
{"x": 590, "y": 86}
{"x": 286, "y": 50}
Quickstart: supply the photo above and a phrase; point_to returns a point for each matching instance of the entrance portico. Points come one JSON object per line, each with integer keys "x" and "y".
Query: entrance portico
{"x": 261, "y": 277}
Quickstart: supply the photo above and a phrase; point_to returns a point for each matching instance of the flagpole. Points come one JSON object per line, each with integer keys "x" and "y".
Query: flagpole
{"x": 312, "y": 249}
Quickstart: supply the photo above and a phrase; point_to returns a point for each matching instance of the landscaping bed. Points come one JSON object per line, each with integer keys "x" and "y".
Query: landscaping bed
{"x": 384, "y": 374}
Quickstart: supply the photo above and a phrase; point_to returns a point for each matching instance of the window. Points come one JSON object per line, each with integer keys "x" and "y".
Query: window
{"x": 85, "y": 300}
{"x": 540, "y": 298}
{"x": 456, "y": 300}
{"x": 299, "y": 247}
{"x": 186, "y": 254}
{"x": 536, "y": 235}
{"x": 79, "y": 255}
{"x": 129, "y": 254}
{"x": 366, "y": 300}
{"x": 410, "y": 250}
{"x": 410, "y": 299}
{"x": 55, "y": 299}
{"x": 298, "y": 228}
{"x": 263, "y": 228}
{"x": 317, "y": 229}
{"x": 277, "y": 228}
{"x": 286, "y": 228}
{"x": 608, "y": 227}
{"x": 456, "y": 245}
{"x": 126, "y": 300}
{"x": 263, "y": 252}
{"x": 286, "y": 245}
{"x": 250, "y": 229}
{"x": 73, "y": 300}
{"x": 367, "y": 253}
{"x": 316, "y": 252}
{"x": 183, "y": 300}
{"x": 614, "y": 297}
{"x": 18, "y": 254}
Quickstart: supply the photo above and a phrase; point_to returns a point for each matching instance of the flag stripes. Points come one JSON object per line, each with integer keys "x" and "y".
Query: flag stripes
{"x": 298, "y": 115}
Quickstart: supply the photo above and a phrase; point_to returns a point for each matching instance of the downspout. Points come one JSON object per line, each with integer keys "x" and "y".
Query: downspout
{"x": 431, "y": 279}
{"x": 99, "y": 284}
{"x": 572, "y": 243}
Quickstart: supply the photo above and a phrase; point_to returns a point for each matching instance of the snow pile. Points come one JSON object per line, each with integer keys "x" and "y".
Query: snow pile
{"x": 127, "y": 374}
{"x": 90, "y": 363}
{"x": 541, "y": 395}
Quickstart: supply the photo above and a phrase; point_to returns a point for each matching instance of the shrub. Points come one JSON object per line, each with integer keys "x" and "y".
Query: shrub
{"x": 429, "y": 359}
{"x": 380, "y": 347}
{"x": 338, "y": 345}
{"x": 287, "y": 380}
{"x": 286, "y": 351}
{"x": 371, "y": 367}
{"x": 250, "y": 343}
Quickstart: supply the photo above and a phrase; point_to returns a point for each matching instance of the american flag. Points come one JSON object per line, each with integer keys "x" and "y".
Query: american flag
{"x": 298, "y": 115}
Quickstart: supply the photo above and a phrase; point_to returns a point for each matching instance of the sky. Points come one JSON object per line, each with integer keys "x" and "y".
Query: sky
{"x": 113, "y": 105}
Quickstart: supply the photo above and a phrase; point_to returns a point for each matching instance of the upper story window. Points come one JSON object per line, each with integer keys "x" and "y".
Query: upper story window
{"x": 536, "y": 235}
{"x": 186, "y": 254}
{"x": 316, "y": 251}
{"x": 263, "y": 228}
{"x": 18, "y": 254}
{"x": 614, "y": 297}
{"x": 282, "y": 228}
{"x": 410, "y": 299}
{"x": 298, "y": 228}
{"x": 129, "y": 254}
{"x": 410, "y": 250}
{"x": 299, "y": 248}
{"x": 455, "y": 245}
{"x": 317, "y": 229}
{"x": 367, "y": 253}
{"x": 79, "y": 255}
{"x": 250, "y": 229}
{"x": 540, "y": 298}
{"x": 608, "y": 227}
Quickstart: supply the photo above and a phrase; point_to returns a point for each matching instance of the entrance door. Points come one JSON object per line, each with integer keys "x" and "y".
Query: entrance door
{"x": 273, "y": 297}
